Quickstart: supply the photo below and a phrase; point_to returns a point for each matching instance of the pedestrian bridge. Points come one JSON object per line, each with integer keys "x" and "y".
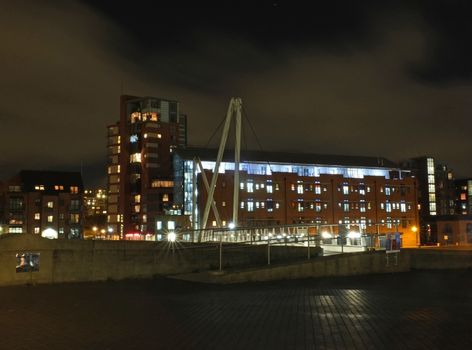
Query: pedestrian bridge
{"x": 332, "y": 238}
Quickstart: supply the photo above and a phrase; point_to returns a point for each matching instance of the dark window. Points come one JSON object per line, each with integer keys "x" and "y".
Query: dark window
{"x": 16, "y": 203}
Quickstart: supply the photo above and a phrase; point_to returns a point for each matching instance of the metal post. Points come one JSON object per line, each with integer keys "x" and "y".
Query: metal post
{"x": 377, "y": 242}
{"x": 308, "y": 237}
{"x": 207, "y": 187}
{"x": 219, "y": 157}
{"x": 237, "y": 151}
{"x": 268, "y": 250}
{"x": 194, "y": 196}
{"x": 221, "y": 251}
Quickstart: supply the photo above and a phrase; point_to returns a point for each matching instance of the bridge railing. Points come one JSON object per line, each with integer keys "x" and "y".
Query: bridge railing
{"x": 328, "y": 236}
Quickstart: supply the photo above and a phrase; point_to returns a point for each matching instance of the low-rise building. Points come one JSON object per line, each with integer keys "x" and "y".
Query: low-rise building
{"x": 46, "y": 203}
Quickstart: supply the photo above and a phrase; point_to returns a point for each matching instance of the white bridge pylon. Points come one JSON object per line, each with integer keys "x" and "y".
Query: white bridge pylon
{"x": 234, "y": 112}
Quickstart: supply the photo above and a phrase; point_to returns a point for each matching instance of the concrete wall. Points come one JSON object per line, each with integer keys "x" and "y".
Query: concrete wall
{"x": 74, "y": 261}
{"x": 80, "y": 261}
{"x": 352, "y": 264}
{"x": 334, "y": 265}
{"x": 440, "y": 259}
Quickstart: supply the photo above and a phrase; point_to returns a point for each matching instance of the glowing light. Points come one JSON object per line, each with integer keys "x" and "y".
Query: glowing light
{"x": 231, "y": 225}
{"x": 414, "y": 228}
{"x": 354, "y": 234}
{"x": 49, "y": 233}
{"x": 171, "y": 236}
{"x": 110, "y": 230}
{"x": 95, "y": 228}
{"x": 326, "y": 235}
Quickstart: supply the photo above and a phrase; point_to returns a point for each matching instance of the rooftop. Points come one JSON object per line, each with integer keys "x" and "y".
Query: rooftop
{"x": 207, "y": 154}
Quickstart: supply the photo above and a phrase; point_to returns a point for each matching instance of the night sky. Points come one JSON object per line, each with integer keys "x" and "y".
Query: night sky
{"x": 377, "y": 78}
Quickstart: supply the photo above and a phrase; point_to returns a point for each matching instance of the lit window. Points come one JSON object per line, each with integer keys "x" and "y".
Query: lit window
{"x": 135, "y": 117}
{"x": 250, "y": 206}
{"x": 137, "y": 198}
{"x": 39, "y": 187}
{"x": 152, "y": 135}
{"x": 50, "y": 218}
{"x": 223, "y": 204}
{"x": 241, "y": 205}
{"x": 58, "y": 187}
{"x": 387, "y": 191}
{"x": 300, "y": 206}
{"x": 269, "y": 188}
{"x": 37, "y": 216}
{"x": 250, "y": 186}
{"x": 74, "y": 189}
{"x": 50, "y": 204}
{"x": 300, "y": 188}
{"x": 159, "y": 225}
{"x": 388, "y": 207}
{"x": 345, "y": 189}
{"x": 74, "y": 218}
{"x": 171, "y": 225}
{"x": 241, "y": 185}
{"x": 162, "y": 183}
{"x": 403, "y": 207}
{"x": 277, "y": 205}
{"x": 165, "y": 197}
{"x": 213, "y": 223}
{"x": 135, "y": 158}
{"x": 345, "y": 207}
{"x": 133, "y": 138}
{"x": 36, "y": 230}
{"x": 317, "y": 189}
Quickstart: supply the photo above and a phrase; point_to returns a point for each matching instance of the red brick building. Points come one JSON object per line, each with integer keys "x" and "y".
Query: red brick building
{"x": 140, "y": 163}
{"x": 46, "y": 203}
{"x": 280, "y": 188}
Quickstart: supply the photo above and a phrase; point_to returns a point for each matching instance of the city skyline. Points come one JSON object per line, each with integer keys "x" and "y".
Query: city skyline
{"x": 370, "y": 79}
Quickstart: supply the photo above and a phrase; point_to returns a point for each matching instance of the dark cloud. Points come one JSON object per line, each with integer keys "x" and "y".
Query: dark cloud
{"x": 367, "y": 80}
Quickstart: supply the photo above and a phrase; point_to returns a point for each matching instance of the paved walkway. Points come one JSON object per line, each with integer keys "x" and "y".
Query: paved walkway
{"x": 417, "y": 310}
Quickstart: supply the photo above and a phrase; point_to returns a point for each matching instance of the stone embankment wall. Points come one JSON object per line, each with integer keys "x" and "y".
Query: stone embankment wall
{"x": 353, "y": 264}
{"x": 80, "y": 261}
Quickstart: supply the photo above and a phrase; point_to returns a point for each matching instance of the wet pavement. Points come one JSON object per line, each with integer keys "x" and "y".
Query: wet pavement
{"x": 415, "y": 310}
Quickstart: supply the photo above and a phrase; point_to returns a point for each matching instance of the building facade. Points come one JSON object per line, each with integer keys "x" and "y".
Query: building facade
{"x": 454, "y": 229}
{"x": 140, "y": 163}
{"x": 45, "y": 203}
{"x": 463, "y": 200}
{"x": 278, "y": 188}
{"x": 436, "y": 194}
{"x": 95, "y": 202}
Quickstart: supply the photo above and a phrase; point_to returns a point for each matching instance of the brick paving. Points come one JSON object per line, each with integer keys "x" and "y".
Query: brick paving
{"x": 415, "y": 310}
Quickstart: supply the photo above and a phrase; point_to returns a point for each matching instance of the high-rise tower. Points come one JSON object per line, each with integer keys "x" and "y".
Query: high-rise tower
{"x": 140, "y": 163}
